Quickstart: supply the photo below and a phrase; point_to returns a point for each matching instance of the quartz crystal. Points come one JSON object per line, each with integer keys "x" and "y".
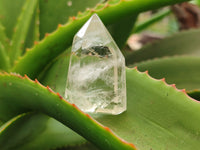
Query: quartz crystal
{"x": 96, "y": 80}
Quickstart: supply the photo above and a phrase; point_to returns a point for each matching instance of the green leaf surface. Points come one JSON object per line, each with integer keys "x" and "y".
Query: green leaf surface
{"x": 157, "y": 113}
{"x": 33, "y": 96}
{"x": 21, "y": 29}
{"x": 181, "y": 70}
{"x": 3, "y": 38}
{"x": 33, "y": 35}
{"x": 20, "y": 133}
{"x": 121, "y": 29}
{"x": 186, "y": 42}
{"x": 21, "y": 130}
{"x": 155, "y": 18}
{"x": 55, "y": 74}
{"x": 9, "y": 14}
{"x": 4, "y": 60}
{"x": 53, "y": 13}
{"x": 34, "y": 61}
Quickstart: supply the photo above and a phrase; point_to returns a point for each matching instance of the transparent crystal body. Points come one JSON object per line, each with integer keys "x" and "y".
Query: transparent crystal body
{"x": 96, "y": 80}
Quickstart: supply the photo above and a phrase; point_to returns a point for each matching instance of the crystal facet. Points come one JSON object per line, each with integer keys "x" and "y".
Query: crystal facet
{"x": 96, "y": 77}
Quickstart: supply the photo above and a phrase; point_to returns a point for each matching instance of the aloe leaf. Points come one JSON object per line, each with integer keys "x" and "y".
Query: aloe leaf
{"x": 54, "y": 135}
{"x": 155, "y": 18}
{"x": 9, "y": 14}
{"x": 197, "y": 2}
{"x": 159, "y": 112}
{"x": 27, "y": 127}
{"x": 51, "y": 16}
{"x": 3, "y": 38}
{"x": 4, "y": 60}
{"x": 194, "y": 94}
{"x": 164, "y": 107}
{"x": 180, "y": 70}
{"x": 155, "y": 111}
{"x": 33, "y": 34}
{"x": 121, "y": 29}
{"x": 21, "y": 29}
{"x": 37, "y": 58}
{"x": 34, "y": 96}
{"x": 55, "y": 74}
{"x": 186, "y": 42}
{"x": 20, "y": 133}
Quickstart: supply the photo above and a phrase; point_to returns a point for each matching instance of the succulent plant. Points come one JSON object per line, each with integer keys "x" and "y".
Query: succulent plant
{"x": 34, "y": 61}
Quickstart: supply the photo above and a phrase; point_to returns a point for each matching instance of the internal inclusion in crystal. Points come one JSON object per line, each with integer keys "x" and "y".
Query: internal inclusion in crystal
{"x": 96, "y": 80}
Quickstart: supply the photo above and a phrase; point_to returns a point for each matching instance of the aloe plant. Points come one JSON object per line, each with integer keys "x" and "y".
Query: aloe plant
{"x": 34, "y": 61}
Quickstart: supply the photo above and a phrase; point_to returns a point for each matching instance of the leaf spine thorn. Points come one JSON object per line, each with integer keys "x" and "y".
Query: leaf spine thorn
{"x": 106, "y": 5}
{"x": 36, "y": 42}
{"x": 27, "y": 49}
{"x": 173, "y": 85}
{"x": 59, "y": 25}
{"x": 88, "y": 115}
{"x": 92, "y": 10}
{"x": 49, "y": 89}
{"x": 135, "y": 68}
{"x": 46, "y": 34}
{"x": 163, "y": 79}
{"x": 36, "y": 81}
{"x": 184, "y": 91}
{"x": 73, "y": 18}
{"x": 25, "y": 76}
{"x": 108, "y": 129}
{"x": 59, "y": 96}
{"x": 132, "y": 145}
{"x": 75, "y": 106}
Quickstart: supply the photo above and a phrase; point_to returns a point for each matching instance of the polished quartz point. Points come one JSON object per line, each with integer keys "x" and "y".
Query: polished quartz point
{"x": 96, "y": 80}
